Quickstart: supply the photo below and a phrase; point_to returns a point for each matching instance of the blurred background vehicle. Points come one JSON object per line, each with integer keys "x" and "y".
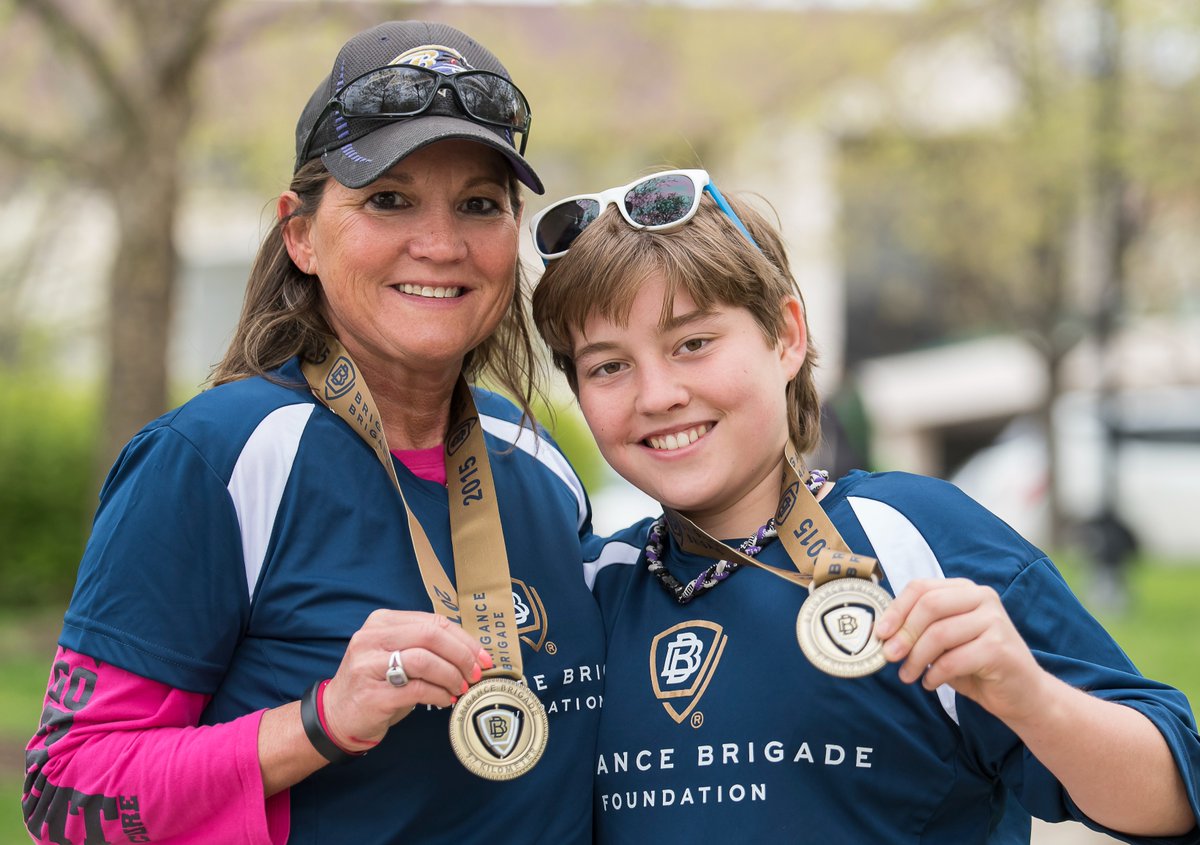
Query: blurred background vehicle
{"x": 1141, "y": 496}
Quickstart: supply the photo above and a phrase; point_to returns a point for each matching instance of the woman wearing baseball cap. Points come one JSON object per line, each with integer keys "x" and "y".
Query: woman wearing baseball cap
{"x": 336, "y": 597}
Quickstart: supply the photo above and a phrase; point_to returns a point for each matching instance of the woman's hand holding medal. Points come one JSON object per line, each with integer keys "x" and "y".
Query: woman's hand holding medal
{"x": 440, "y": 659}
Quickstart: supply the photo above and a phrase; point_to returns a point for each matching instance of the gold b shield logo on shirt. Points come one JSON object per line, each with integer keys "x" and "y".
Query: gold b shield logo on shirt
{"x": 683, "y": 659}
{"x": 530, "y": 615}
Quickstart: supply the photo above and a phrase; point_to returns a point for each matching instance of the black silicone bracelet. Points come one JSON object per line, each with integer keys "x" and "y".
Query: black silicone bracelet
{"x": 316, "y": 734}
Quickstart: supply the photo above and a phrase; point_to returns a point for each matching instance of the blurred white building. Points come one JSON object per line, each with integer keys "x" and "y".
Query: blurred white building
{"x": 917, "y": 400}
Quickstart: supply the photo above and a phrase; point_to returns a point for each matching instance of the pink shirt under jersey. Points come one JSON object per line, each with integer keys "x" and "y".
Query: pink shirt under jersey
{"x": 131, "y": 747}
{"x": 424, "y": 463}
{"x": 125, "y": 760}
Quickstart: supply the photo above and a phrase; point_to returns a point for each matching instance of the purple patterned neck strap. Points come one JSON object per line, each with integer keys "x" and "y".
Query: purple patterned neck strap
{"x": 722, "y": 569}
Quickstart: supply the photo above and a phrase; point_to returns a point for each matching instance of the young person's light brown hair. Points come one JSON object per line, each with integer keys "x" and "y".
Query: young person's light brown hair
{"x": 708, "y": 258}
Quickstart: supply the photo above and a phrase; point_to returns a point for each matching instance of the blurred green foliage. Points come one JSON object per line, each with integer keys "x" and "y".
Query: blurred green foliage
{"x": 46, "y": 498}
{"x": 1157, "y": 627}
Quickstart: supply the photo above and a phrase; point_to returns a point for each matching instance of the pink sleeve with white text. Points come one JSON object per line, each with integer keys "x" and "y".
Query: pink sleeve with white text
{"x": 120, "y": 758}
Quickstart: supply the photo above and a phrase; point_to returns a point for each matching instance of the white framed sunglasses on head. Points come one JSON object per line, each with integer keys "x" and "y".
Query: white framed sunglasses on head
{"x": 655, "y": 202}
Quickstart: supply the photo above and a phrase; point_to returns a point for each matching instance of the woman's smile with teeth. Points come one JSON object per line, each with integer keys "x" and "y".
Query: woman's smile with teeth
{"x": 670, "y": 442}
{"x": 430, "y": 292}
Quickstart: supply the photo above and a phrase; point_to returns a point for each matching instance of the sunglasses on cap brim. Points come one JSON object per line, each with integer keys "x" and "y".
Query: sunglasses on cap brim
{"x": 400, "y": 91}
{"x": 654, "y": 203}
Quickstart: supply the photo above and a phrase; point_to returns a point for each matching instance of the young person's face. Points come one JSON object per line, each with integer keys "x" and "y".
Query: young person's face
{"x": 694, "y": 413}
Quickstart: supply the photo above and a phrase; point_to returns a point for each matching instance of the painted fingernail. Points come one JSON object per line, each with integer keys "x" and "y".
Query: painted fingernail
{"x": 485, "y": 659}
{"x": 465, "y": 687}
{"x": 453, "y": 700}
{"x": 476, "y": 673}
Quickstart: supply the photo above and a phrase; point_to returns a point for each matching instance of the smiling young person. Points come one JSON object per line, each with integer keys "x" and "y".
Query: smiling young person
{"x": 342, "y": 549}
{"x": 740, "y": 706}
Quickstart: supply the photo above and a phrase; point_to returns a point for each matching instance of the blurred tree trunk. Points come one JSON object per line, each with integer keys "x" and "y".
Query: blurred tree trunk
{"x": 1057, "y": 207}
{"x": 141, "y": 56}
{"x": 1109, "y": 540}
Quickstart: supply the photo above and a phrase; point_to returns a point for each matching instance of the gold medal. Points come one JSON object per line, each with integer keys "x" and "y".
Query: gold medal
{"x": 836, "y": 627}
{"x": 499, "y": 729}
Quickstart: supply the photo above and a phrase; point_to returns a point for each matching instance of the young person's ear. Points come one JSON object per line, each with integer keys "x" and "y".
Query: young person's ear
{"x": 793, "y": 339}
{"x": 296, "y": 235}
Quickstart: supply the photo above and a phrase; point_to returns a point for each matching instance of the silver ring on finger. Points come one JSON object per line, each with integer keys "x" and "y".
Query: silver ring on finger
{"x": 396, "y": 676}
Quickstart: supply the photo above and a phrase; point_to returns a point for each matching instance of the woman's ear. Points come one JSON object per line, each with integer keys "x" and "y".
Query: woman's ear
{"x": 793, "y": 339}
{"x": 295, "y": 231}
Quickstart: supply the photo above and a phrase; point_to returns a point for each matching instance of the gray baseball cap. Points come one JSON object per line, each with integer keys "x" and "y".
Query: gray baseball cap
{"x": 358, "y": 150}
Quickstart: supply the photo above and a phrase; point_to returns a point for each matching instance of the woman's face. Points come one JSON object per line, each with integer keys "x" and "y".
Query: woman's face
{"x": 417, "y": 268}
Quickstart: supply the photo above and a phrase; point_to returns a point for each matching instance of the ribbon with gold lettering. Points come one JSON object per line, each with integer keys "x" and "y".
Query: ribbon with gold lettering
{"x": 836, "y": 623}
{"x": 813, "y": 544}
{"x": 498, "y": 728}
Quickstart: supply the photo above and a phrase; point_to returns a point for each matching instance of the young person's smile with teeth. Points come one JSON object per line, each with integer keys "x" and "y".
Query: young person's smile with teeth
{"x": 671, "y": 442}
{"x": 689, "y": 407}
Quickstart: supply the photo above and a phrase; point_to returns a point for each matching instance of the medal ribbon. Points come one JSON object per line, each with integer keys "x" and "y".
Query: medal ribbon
{"x": 812, "y": 542}
{"x": 481, "y": 559}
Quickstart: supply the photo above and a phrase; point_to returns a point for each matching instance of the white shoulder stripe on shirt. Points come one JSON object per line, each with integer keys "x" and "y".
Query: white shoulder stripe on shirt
{"x": 904, "y": 556}
{"x": 525, "y": 440}
{"x": 614, "y": 551}
{"x": 259, "y": 478}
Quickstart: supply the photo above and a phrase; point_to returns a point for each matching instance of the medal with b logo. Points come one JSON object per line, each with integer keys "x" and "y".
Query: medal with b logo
{"x": 836, "y": 623}
{"x": 499, "y": 729}
{"x": 836, "y": 627}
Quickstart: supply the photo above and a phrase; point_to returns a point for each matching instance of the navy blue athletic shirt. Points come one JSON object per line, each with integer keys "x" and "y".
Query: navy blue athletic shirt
{"x": 717, "y": 729}
{"x": 241, "y": 540}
